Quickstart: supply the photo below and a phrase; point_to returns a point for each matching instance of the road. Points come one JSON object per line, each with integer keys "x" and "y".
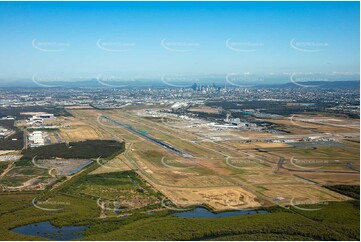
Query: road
{"x": 280, "y": 165}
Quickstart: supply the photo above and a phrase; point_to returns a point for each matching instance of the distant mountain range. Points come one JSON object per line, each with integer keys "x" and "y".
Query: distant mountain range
{"x": 317, "y": 84}
{"x": 93, "y": 83}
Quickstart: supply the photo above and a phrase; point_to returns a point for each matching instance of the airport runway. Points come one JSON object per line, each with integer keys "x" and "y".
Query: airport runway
{"x": 154, "y": 140}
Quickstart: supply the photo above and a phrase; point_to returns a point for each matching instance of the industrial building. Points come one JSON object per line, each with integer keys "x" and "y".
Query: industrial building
{"x": 36, "y": 139}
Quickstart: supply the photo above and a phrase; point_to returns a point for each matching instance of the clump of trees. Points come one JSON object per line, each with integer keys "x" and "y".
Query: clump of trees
{"x": 78, "y": 150}
{"x": 352, "y": 191}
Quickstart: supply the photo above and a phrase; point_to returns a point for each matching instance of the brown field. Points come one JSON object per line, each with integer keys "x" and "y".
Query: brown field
{"x": 115, "y": 165}
{"x": 284, "y": 193}
{"x": 331, "y": 178}
{"x": 82, "y": 127}
{"x": 223, "y": 198}
{"x": 203, "y": 109}
{"x": 80, "y": 133}
{"x": 4, "y": 152}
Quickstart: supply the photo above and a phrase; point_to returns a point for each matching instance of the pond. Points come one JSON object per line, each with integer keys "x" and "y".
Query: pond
{"x": 205, "y": 213}
{"x": 49, "y": 231}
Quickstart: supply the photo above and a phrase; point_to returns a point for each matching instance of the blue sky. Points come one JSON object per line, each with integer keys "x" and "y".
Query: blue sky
{"x": 78, "y": 38}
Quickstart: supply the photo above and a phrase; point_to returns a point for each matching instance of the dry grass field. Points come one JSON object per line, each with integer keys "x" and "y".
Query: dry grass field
{"x": 6, "y": 152}
{"x": 298, "y": 124}
{"x": 221, "y": 198}
{"x": 204, "y": 109}
{"x": 223, "y": 174}
{"x": 79, "y": 133}
{"x": 81, "y": 128}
